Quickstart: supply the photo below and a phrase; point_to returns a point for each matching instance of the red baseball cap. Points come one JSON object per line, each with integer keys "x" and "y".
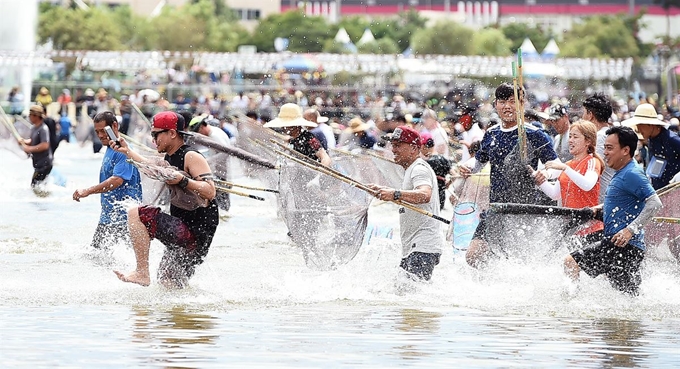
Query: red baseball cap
{"x": 405, "y": 134}
{"x": 426, "y": 139}
{"x": 169, "y": 120}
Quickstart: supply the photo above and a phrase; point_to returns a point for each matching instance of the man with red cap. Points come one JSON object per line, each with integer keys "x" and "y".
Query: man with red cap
{"x": 187, "y": 231}
{"x": 421, "y": 236}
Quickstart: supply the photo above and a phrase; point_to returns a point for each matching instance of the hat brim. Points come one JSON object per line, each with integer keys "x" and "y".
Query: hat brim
{"x": 297, "y": 122}
{"x": 542, "y": 115}
{"x": 360, "y": 128}
{"x": 321, "y": 119}
{"x": 634, "y": 121}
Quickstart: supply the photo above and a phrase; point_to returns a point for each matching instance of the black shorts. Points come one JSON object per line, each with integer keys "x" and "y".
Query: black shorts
{"x": 39, "y": 174}
{"x": 621, "y": 265}
{"x": 420, "y": 264}
{"x": 480, "y": 231}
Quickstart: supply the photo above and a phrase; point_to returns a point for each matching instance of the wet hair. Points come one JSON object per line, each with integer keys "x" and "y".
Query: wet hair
{"x": 599, "y": 106}
{"x": 252, "y": 114}
{"x": 589, "y": 131}
{"x": 107, "y": 117}
{"x": 627, "y": 137}
{"x": 506, "y": 91}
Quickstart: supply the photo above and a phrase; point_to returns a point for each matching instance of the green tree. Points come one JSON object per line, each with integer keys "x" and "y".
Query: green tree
{"x": 305, "y": 33}
{"x": 76, "y": 29}
{"x": 445, "y": 37}
{"x": 355, "y": 26}
{"x": 174, "y": 29}
{"x": 605, "y": 36}
{"x": 400, "y": 29}
{"x": 491, "y": 42}
{"x": 384, "y": 45}
{"x": 517, "y": 32}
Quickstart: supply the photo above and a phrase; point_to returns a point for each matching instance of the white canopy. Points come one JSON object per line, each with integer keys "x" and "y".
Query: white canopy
{"x": 342, "y": 36}
{"x": 366, "y": 37}
{"x": 551, "y": 50}
{"x": 528, "y": 48}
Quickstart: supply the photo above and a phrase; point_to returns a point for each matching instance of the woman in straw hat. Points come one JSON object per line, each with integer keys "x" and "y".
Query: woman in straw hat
{"x": 664, "y": 145}
{"x": 292, "y": 123}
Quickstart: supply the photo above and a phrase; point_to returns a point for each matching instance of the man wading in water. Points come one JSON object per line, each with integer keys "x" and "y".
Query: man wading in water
{"x": 186, "y": 234}
{"x": 511, "y": 180}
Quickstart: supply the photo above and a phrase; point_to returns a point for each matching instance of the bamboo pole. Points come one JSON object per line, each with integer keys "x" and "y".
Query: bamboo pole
{"x": 666, "y": 220}
{"x": 239, "y": 193}
{"x": 330, "y": 172}
{"x": 228, "y": 184}
{"x": 144, "y": 118}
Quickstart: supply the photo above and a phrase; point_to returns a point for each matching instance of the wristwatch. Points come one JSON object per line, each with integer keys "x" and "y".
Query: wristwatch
{"x": 184, "y": 182}
{"x": 397, "y": 194}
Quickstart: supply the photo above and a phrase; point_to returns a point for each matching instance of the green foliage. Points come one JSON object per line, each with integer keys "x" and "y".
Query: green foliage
{"x": 400, "y": 29}
{"x": 355, "y": 26}
{"x": 491, "y": 42}
{"x": 600, "y": 37}
{"x": 75, "y": 29}
{"x": 305, "y": 33}
{"x": 445, "y": 37}
{"x": 384, "y": 45}
{"x": 517, "y": 32}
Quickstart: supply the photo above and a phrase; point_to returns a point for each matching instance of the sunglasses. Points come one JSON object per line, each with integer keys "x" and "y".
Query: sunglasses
{"x": 155, "y": 134}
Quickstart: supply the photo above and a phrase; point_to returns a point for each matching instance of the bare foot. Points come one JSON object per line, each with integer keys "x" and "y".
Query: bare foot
{"x": 134, "y": 277}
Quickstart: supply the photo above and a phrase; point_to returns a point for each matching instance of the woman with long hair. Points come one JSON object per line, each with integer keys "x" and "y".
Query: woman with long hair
{"x": 579, "y": 183}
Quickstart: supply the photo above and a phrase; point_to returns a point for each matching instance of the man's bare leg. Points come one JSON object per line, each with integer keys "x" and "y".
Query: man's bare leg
{"x": 571, "y": 268}
{"x": 477, "y": 253}
{"x": 140, "y": 243}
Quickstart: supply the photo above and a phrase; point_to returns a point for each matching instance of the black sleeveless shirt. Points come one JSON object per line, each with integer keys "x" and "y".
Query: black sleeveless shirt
{"x": 201, "y": 221}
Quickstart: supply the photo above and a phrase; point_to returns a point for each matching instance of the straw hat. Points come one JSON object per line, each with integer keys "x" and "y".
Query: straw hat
{"x": 290, "y": 115}
{"x": 357, "y": 125}
{"x": 644, "y": 114}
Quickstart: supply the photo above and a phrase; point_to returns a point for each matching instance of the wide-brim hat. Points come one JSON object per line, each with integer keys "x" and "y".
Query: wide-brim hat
{"x": 290, "y": 115}
{"x": 645, "y": 114}
{"x": 357, "y": 125}
{"x": 320, "y": 118}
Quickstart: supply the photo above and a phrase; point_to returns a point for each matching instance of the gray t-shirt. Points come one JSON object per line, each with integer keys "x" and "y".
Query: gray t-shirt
{"x": 420, "y": 232}
{"x": 40, "y": 134}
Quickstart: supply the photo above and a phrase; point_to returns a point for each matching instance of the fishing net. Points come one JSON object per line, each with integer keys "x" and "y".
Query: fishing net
{"x": 326, "y": 217}
{"x": 250, "y": 133}
{"x": 8, "y": 140}
{"x": 526, "y": 231}
{"x": 656, "y": 234}
{"x": 366, "y": 168}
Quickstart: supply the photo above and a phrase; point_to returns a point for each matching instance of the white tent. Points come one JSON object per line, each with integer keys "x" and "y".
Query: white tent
{"x": 551, "y": 50}
{"x": 342, "y": 36}
{"x": 366, "y": 37}
{"x": 528, "y": 49}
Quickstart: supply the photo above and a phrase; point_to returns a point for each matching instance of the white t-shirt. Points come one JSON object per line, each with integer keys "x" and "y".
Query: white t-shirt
{"x": 474, "y": 134}
{"x": 219, "y": 136}
{"x": 420, "y": 232}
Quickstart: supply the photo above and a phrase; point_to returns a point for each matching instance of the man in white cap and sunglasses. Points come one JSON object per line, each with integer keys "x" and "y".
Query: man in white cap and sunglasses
{"x": 664, "y": 145}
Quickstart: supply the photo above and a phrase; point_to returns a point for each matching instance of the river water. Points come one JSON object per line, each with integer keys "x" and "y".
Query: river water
{"x": 254, "y": 302}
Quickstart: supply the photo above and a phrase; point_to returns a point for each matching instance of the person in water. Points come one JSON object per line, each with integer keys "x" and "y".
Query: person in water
{"x": 511, "y": 180}
{"x": 186, "y": 234}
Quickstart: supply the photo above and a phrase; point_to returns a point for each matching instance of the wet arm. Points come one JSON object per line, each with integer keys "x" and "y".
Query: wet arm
{"x": 585, "y": 182}
{"x": 652, "y": 206}
{"x": 200, "y": 182}
{"x": 109, "y": 184}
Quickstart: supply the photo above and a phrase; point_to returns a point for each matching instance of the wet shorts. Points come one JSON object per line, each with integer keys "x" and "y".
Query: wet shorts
{"x": 420, "y": 264}
{"x": 480, "y": 231}
{"x": 621, "y": 265}
{"x": 39, "y": 174}
{"x": 170, "y": 230}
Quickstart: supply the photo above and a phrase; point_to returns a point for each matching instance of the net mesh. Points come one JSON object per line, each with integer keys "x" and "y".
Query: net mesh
{"x": 326, "y": 217}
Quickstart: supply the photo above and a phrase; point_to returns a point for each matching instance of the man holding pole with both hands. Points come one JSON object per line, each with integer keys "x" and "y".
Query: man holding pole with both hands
{"x": 421, "y": 238}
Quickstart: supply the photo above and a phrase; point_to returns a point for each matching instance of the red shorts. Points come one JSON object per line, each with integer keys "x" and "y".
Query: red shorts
{"x": 170, "y": 230}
